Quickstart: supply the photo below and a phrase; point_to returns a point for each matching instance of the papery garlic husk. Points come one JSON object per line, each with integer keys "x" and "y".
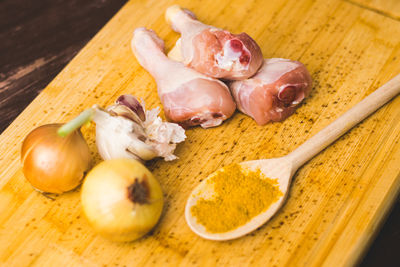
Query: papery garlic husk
{"x": 128, "y": 130}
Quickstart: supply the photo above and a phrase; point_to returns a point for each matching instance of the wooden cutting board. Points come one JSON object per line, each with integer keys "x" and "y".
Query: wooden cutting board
{"x": 337, "y": 200}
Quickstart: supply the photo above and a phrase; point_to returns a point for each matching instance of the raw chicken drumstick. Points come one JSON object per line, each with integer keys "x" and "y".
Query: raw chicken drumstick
{"x": 188, "y": 97}
{"x": 214, "y": 52}
{"x": 274, "y": 92}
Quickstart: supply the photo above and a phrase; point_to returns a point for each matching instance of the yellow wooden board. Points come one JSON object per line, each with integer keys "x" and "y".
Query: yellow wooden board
{"x": 388, "y": 8}
{"x": 337, "y": 200}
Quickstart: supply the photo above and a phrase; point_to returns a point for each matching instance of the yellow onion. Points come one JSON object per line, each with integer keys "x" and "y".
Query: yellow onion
{"x": 121, "y": 199}
{"x": 55, "y": 161}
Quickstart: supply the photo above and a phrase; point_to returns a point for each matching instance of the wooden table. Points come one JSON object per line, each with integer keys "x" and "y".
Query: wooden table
{"x": 38, "y": 38}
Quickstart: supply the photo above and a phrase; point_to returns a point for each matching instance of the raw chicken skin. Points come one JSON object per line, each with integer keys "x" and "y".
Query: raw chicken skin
{"x": 189, "y": 98}
{"x": 214, "y": 52}
{"x": 194, "y": 96}
{"x": 274, "y": 92}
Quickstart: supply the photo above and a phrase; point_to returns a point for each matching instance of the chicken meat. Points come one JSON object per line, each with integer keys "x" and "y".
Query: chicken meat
{"x": 188, "y": 97}
{"x": 214, "y": 52}
{"x": 274, "y": 92}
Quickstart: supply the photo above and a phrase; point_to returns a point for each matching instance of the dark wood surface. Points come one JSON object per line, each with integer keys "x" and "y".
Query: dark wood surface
{"x": 38, "y": 38}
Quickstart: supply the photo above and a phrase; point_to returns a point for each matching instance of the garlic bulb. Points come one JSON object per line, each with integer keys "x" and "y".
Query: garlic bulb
{"x": 127, "y": 130}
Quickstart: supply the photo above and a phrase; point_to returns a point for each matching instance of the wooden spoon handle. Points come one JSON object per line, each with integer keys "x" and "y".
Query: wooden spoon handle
{"x": 345, "y": 122}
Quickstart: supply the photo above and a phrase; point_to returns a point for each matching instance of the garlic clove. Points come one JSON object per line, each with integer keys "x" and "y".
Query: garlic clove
{"x": 121, "y": 132}
{"x": 119, "y": 137}
{"x": 113, "y": 135}
{"x": 133, "y": 104}
{"x": 142, "y": 150}
{"x": 124, "y": 111}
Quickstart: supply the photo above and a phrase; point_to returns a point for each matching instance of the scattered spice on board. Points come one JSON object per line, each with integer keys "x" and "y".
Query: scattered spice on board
{"x": 239, "y": 195}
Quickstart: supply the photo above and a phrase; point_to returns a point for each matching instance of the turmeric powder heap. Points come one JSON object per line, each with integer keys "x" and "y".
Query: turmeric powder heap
{"x": 239, "y": 195}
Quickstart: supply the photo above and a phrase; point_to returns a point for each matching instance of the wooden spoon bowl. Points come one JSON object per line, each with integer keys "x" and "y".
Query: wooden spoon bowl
{"x": 279, "y": 168}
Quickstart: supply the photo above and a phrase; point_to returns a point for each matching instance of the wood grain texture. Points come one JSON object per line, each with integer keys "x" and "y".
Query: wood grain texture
{"x": 388, "y": 8}
{"x": 337, "y": 200}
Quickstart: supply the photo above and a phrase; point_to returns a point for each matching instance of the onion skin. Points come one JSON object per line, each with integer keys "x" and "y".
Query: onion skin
{"x": 52, "y": 163}
{"x": 108, "y": 203}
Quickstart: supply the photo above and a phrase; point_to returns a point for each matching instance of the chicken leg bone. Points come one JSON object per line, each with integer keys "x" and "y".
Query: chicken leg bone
{"x": 214, "y": 52}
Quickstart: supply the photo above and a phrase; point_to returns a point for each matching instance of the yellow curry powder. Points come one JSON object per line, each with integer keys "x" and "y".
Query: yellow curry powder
{"x": 239, "y": 195}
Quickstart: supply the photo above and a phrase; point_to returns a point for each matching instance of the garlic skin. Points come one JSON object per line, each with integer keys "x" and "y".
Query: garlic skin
{"x": 163, "y": 136}
{"x": 128, "y": 130}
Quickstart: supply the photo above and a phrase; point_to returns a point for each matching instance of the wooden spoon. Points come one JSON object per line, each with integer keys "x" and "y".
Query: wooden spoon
{"x": 285, "y": 167}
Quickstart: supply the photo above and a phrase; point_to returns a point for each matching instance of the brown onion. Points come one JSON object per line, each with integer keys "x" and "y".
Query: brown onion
{"x": 52, "y": 163}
